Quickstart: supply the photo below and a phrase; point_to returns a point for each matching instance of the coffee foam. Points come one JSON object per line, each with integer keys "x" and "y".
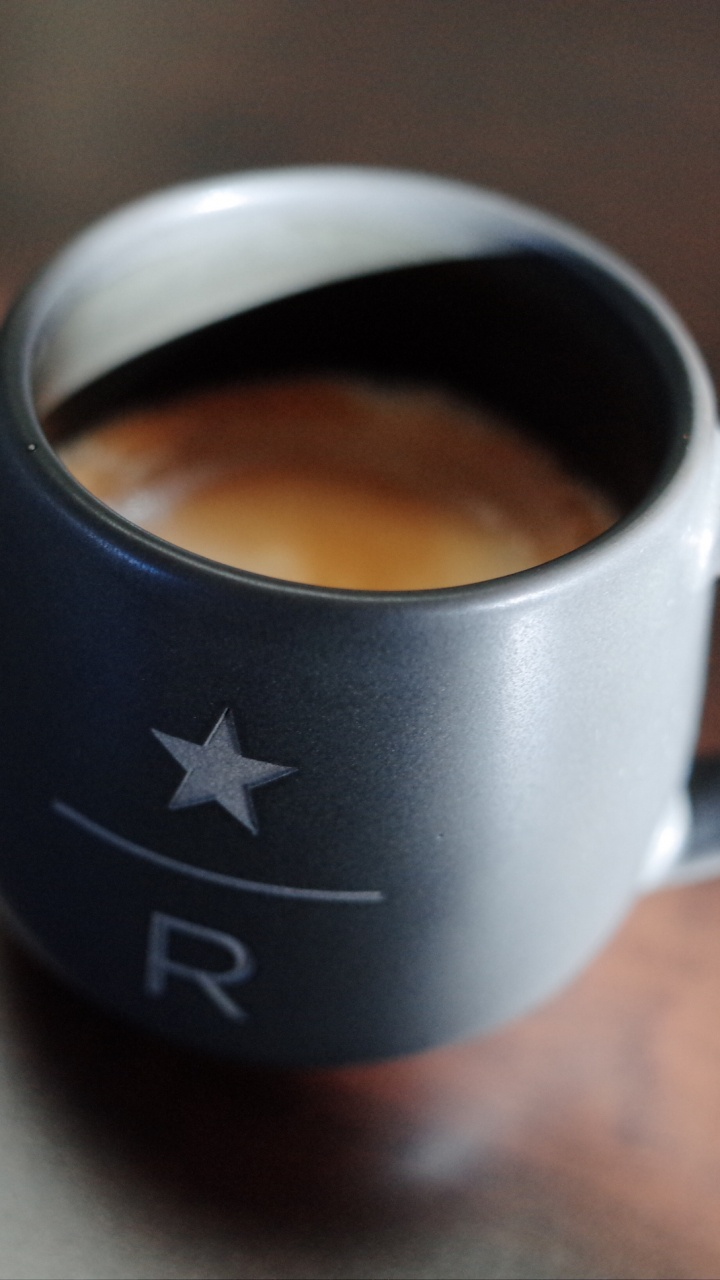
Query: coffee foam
{"x": 340, "y": 483}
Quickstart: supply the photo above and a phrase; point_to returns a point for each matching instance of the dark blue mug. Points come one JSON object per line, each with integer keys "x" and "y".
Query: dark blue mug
{"x": 305, "y": 825}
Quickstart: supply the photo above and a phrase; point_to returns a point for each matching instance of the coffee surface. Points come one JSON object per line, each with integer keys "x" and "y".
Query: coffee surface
{"x": 340, "y": 483}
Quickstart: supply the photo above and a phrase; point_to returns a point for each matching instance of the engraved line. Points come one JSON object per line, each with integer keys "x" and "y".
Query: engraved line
{"x": 214, "y": 877}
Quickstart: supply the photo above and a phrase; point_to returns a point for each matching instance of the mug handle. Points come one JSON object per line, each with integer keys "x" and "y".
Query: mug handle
{"x": 687, "y": 850}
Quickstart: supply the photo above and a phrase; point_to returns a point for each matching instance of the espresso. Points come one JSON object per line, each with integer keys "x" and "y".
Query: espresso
{"x": 340, "y": 483}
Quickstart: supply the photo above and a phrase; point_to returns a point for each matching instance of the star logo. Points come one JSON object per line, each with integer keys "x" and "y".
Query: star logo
{"x": 217, "y": 770}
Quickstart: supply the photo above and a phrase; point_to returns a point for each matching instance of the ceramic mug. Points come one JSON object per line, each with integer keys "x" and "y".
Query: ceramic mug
{"x": 463, "y": 790}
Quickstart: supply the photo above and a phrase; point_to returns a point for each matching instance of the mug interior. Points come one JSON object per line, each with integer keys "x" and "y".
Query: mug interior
{"x": 391, "y": 277}
{"x": 549, "y": 342}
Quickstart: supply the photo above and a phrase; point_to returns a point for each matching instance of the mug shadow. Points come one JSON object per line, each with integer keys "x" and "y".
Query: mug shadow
{"x": 342, "y": 1149}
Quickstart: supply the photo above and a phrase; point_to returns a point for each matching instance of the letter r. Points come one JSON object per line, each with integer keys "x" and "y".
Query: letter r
{"x": 160, "y": 965}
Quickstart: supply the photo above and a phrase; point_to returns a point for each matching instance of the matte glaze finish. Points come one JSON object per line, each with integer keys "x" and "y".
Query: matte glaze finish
{"x": 480, "y": 775}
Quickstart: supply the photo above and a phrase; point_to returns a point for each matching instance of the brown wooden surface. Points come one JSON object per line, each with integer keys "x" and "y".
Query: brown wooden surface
{"x": 584, "y": 1141}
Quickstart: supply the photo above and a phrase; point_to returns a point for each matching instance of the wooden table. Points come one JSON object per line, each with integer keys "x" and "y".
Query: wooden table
{"x": 585, "y": 1141}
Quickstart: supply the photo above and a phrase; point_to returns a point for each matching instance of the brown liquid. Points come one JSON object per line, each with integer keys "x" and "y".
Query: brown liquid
{"x": 341, "y": 484}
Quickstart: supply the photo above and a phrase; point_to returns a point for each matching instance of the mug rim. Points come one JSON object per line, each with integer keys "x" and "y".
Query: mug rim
{"x": 23, "y": 334}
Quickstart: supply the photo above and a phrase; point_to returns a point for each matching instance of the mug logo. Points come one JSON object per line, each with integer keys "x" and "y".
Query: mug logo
{"x": 216, "y": 769}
